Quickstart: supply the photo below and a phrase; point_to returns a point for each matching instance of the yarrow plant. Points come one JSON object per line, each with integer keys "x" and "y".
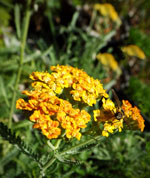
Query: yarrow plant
{"x": 60, "y": 102}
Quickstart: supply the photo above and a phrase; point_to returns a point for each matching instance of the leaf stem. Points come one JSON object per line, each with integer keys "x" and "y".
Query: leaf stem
{"x": 95, "y": 138}
{"x": 22, "y": 48}
{"x": 94, "y": 15}
{"x": 53, "y": 159}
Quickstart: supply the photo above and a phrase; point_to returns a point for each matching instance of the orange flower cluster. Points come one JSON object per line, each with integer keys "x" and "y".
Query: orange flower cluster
{"x": 133, "y": 118}
{"x": 55, "y": 116}
{"x": 51, "y": 113}
{"x": 82, "y": 87}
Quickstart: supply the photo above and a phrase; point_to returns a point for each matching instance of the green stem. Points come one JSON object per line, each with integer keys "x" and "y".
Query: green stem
{"x": 94, "y": 14}
{"x": 51, "y": 161}
{"x": 51, "y": 145}
{"x": 52, "y": 28}
{"x": 46, "y": 166}
{"x": 22, "y": 48}
{"x": 58, "y": 143}
{"x": 95, "y": 138}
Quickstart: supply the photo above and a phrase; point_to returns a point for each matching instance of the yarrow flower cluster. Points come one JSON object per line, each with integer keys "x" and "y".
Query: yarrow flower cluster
{"x": 56, "y": 116}
{"x": 50, "y": 111}
{"x": 107, "y": 116}
{"x": 133, "y": 117}
{"x": 128, "y": 116}
{"x": 82, "y": 87}
{"x": 52, "y": 114}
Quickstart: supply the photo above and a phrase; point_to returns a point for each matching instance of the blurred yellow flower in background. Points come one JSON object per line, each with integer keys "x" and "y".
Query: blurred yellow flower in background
{"x": 133, "y": 50}
{"x": 108, "y": 10}
{"x": 109, "y": 61}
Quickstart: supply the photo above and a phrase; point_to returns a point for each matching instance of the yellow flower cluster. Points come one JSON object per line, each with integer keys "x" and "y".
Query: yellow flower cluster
{"x": 107, "y": 116}
{"x": 82, "y": 87}
{"x": 130, "y": 116}
{"x": 133, "y": 118}
{"x": 55, "y": 116}
{"x": 52, "y": 114}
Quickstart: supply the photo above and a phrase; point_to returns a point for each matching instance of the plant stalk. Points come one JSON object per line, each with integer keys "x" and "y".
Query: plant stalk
{"x": 53, "y": 159}
{"x": 99, "y": 137}
{"x": 22, "y": 48}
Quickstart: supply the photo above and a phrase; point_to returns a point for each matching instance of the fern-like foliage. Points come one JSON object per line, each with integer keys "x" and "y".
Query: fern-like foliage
{"x": 10, "y": 136}
{"x": 86, "y": 145}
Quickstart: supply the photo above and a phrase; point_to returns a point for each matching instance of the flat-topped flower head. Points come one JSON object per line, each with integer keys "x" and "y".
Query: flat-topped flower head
{"x": 133, "y": 118}
{"x": 57, "y": 102}
{"x": 130, "y": 117}
{"x": 52, "y": 114}
{"x": 82, "y": 87}
{"x": 107, "y": 116}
